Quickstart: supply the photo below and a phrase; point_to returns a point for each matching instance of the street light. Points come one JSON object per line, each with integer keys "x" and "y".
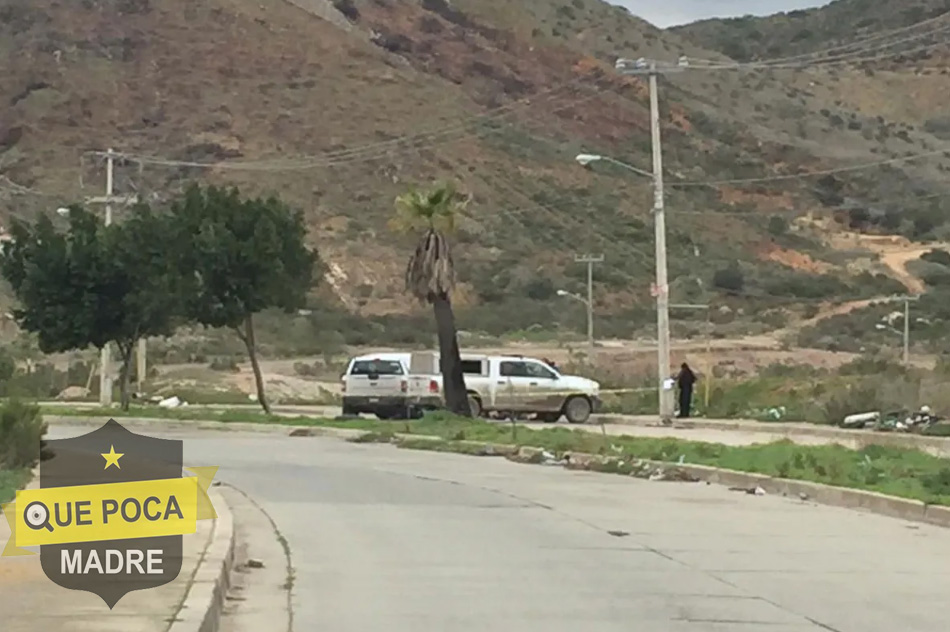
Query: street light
{"x": 590, "y": 318}
{"x": 662, "y": 283}
{"x": 586, "y": 160}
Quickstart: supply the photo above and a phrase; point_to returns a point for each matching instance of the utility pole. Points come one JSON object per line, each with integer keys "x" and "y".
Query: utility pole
{"x": 105, "y": 360}
{"x": 590, "y": 260}
{"x": 661, "y": 289}
{"x": 906, "y": 333}
{"x": 907, "y": 300}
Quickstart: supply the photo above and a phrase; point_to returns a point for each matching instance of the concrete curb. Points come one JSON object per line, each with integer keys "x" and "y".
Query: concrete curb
{"x": 856, "y": 499}
{"x": 204, "y": 603}
{"x": 856, "y": 439}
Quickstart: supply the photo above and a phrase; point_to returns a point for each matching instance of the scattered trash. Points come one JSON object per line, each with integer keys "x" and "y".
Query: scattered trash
{"x": 899, "y": 421}
{"x": 803, "y": 496}
{"x": 675, "y": 474}
{"x": 252, "y": 563}
{"x": 301, "y": 432}
{"x": 752, "y": 491}
{"x": 619, "y": 534}
{"x": 171, "y": 402}
{"x": 860, "y": 420}
{"x": 769, "y": 414}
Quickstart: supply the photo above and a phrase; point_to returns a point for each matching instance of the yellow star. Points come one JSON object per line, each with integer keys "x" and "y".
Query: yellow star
{"x": 112, "y": 458}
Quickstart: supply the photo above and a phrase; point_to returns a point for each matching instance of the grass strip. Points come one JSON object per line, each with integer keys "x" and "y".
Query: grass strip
{"x": 902, "y": 472}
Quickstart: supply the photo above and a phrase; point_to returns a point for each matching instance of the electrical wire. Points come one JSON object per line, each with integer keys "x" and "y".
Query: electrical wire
{"x": 811, "y": 174}
{"x": 369, "y": 151}
{"x": 861, "y": 42}
{"x": 814, "y": 58}
{"x": 845, "y": 59}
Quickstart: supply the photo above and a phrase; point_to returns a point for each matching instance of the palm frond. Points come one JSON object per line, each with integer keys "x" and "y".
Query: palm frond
{"x": 434, "y": 208}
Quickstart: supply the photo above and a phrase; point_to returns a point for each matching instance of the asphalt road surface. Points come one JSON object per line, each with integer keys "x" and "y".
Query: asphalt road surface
{"x": 393, "y": 540}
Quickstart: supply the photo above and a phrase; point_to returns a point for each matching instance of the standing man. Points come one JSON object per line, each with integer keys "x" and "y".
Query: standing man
{"x": 685, "y": 380}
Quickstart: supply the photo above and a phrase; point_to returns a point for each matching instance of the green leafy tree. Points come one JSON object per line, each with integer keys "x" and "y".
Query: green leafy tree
{"x": 94, "y": 284}
{"x": 430, "y": 276}
{"x": 239, "y": 257}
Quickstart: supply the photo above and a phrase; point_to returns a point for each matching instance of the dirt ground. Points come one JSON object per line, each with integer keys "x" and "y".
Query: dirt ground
{"x": 624, "y": 362}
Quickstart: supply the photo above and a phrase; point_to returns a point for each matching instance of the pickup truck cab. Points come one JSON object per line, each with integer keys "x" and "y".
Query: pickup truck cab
{"x": 521, "y": 385}
{"x": 514, "y": 386}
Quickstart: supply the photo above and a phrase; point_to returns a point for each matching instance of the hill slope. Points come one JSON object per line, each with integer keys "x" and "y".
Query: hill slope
{"x": 339, "y": 106}
{"x": 805, "y": 31}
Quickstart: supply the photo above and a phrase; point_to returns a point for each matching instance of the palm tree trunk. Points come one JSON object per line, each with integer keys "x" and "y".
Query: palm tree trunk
{"x": 453, "y": 380}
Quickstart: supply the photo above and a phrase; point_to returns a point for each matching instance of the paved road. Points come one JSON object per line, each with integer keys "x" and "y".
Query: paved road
{"x": 390, "y": 540}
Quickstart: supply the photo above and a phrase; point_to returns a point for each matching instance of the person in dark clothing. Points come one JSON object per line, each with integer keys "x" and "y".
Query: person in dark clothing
{"x": 685, "y": 381}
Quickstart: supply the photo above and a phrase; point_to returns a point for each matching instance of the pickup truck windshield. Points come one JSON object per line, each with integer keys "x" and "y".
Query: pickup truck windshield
{"x": 376, "y": 367}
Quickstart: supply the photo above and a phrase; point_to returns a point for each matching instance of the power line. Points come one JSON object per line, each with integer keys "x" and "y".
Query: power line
{"x": 844, "y": 59}
{"x": 810, "y": 174}
{"x": 345, "y": 156}
{"x": 816, "y": 59}
{"x": 860, "y": 42}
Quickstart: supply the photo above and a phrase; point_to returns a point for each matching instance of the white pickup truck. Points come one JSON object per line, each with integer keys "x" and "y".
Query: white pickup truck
{"x": 497, "y": 385}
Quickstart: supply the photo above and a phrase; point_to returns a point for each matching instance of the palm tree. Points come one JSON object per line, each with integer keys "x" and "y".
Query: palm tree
{"x": 430, "y": 276}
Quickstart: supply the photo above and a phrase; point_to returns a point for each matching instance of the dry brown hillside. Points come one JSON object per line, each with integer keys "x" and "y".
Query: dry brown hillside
{"x": 339, "y": 106}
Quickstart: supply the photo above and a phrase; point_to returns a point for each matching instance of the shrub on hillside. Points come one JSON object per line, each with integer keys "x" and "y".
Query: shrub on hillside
{"x": 938, "y": 256}
{"x": 21, "y": 430}
{"x": 729, "y": 278}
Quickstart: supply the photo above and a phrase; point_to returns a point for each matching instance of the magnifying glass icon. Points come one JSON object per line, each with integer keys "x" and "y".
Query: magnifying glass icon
{"x": 36, "y": 516}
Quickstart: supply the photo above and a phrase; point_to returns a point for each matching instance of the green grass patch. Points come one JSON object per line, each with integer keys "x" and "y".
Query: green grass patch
{"x": 903, "y": 472}
{"x": 11, "y": 481}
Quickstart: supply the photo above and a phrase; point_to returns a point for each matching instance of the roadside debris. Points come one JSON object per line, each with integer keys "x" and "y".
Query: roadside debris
{"x": 752, "y": 491}
{"x": 252, "y": 563}
{"x": 893, "y": 421}
{"x": 171, "y": 402}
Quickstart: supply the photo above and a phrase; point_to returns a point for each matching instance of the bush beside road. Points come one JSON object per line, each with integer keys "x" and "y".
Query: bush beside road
{"x": 21, "y": 429}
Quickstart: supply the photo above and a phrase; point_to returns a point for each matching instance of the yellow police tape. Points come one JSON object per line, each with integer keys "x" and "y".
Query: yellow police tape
{"x": 109, "y": 511}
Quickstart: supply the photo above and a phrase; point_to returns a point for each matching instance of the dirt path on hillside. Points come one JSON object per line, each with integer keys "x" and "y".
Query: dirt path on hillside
{"x": 895, "y": 252}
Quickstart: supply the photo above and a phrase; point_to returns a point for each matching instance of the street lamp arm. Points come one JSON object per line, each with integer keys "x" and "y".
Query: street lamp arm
{"x": 628, "y": 166}
{"x": 587, "y": 159}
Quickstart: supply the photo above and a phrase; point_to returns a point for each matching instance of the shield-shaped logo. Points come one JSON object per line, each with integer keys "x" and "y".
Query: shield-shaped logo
{"x": 111, "y": 454}
{"x": 111, "y": 512}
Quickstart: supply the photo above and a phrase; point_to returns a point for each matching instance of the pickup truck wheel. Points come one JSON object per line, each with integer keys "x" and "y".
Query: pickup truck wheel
{"x": 475, "y": 405}
{"x": 577, "y": 409}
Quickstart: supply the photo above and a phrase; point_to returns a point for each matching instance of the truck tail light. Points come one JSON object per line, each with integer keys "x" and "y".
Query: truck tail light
{"x": 404, "y": 386}
{"x": 433, "y": 386}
